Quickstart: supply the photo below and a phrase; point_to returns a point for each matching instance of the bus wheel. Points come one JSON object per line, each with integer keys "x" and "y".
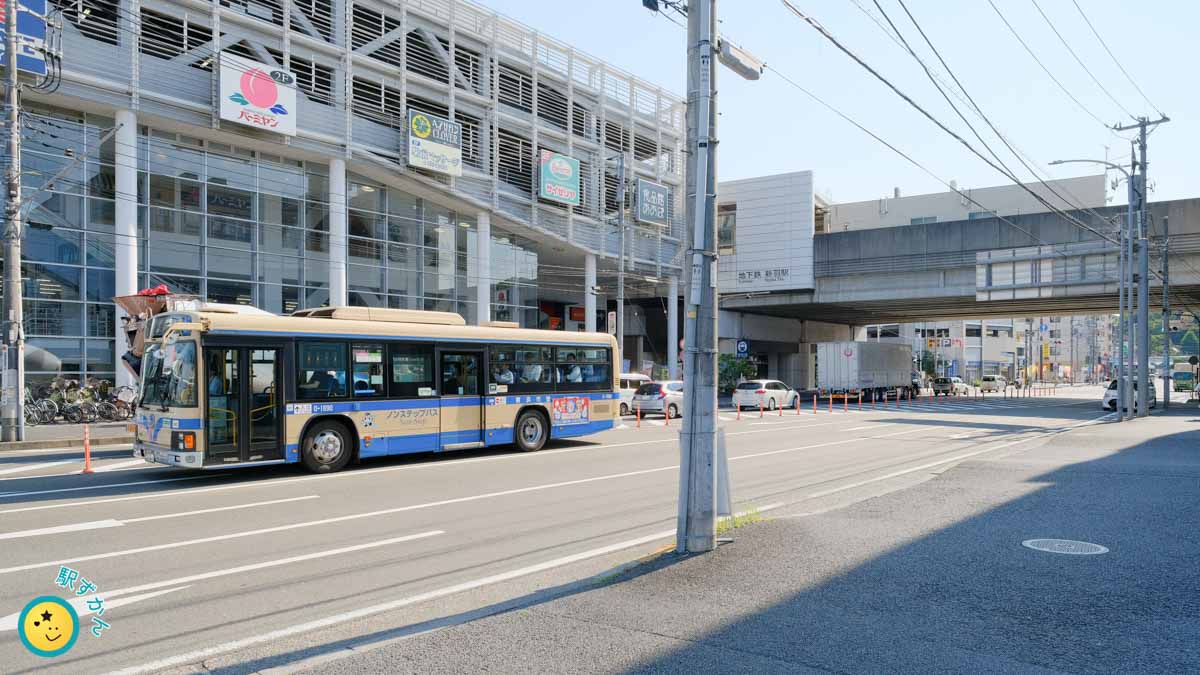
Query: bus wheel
{"x": 326, "y": 447}
{"x": 531, "y": 432}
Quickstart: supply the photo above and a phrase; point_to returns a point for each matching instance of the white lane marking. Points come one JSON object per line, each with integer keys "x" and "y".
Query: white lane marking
{"x": 62, "y": 529}
{"x": 311, "y": 626}
{"x": 35, "y": 467}
{"x": 352, "y": 474}
{"x": 101, "y": 445}
{"x": 129, "y": 462}
{"x": 824, "y": 445}
{"x": 103, "y": 524}
{"x": 217, "y": 509}
{"x": 8, "y": 495}
{"x": 10, "y": 622}
{"x": 959, "y": 437}
{"x": 869, "y": 426}
{"x": 951, "y": 460}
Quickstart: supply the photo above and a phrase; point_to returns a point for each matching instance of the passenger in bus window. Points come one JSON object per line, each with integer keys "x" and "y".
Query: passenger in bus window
{"x": 504, "y": 375}
{"x": 571, "y": 371}
{"x": 531, "y": 372}
{"x": 215, "y": 386}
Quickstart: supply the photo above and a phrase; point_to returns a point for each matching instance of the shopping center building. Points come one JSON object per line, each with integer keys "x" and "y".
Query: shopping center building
{"x": 259, "y": 152}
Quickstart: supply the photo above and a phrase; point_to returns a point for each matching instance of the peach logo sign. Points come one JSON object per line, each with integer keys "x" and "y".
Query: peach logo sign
{"x": 258, "y": 95}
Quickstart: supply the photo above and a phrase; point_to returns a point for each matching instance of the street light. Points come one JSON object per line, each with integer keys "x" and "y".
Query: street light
{"x": 1125, "y": 292}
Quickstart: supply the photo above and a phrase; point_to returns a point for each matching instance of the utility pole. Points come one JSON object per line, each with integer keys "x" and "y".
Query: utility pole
{"x": 621, "y": 258}
{"x": 697, "y": 529}
{"x": 1143, "y": 262}
{"x": 1166, "y": 319}
{"x": 12, "y": 397}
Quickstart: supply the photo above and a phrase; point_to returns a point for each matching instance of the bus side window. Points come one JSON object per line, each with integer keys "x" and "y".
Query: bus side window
{"x": 412, "y": 370}
{"x": 368, "y": 369}
{"x": 322, "y": 367}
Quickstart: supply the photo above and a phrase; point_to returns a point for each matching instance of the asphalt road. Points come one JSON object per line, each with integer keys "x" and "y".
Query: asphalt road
{"x": 246, "y": 570}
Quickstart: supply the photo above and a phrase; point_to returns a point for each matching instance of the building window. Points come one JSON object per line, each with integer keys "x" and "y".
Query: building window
{"x": 973, "y": 331}
{"x": 923, "y": 220}
{"x": 727, "y": 228}
{"x": 891, "y": 330}
{"x": 872, "y": 332}
{"x": 979, "y": 215}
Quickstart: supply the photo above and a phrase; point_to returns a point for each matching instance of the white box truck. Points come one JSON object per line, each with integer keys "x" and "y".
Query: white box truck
{"x": 878, "y": 368}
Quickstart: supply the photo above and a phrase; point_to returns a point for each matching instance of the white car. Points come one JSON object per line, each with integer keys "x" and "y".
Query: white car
{"x": 1109, "y": 402}
{"x": 949, "y": 386}
{"x": 629, "y": 386}
{"x": 665, "y": 398}
{"x": 769, "y": 394}
{"x": 993, "y": 383}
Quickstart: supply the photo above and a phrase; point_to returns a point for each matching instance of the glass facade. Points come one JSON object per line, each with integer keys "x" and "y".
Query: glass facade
{"x": 407, "y": 253}
{"x": 234, "y": 226}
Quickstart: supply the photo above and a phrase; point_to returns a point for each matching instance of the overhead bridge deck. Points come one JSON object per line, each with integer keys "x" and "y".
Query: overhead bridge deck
{"x": 1044, "y": 265}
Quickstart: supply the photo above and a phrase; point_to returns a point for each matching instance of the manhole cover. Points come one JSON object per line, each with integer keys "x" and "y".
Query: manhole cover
{"x": 1064, "y": 546}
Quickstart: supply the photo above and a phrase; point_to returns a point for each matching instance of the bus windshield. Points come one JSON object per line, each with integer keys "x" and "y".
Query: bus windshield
{"x": 169, "y": 375}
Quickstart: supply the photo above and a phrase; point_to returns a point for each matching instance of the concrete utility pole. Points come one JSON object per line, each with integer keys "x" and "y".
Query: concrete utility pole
{"x": 1143, "y": 262}
{"x": 1166, "y": 319}
{"x": 697, "y": 528}
{"x": 621, "y": 259}
{"x": 12, "y": 397}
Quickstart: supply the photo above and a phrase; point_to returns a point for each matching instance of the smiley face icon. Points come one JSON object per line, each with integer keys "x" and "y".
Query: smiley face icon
{"x": 48, "y": 626}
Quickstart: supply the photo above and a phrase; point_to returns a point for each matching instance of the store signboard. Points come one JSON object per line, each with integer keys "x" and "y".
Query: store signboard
{"x": 434, "y": 143}
{"x": 257, "y": 95}
{"x": 652, "y": 202}
{"x": 558, "y": 178}
{"x": 31, "y": 35}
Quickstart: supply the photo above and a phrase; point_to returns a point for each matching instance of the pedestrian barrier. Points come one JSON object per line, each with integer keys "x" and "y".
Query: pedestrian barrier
{"x": 860, "y": 399}
{"x": 846, "y": 402}
{"x": 814, "y": 403}
{"x": 797, "y": 403}
{"x": 831, "y": 401}
{"x": 666, "y": 415}
{"x": 639, "y": 417}
{"x": 739, "y": 412}
{"x": 781, "y": 408}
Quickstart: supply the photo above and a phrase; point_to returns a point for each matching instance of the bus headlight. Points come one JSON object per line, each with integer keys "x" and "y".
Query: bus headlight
{"x": 183, "y": 440}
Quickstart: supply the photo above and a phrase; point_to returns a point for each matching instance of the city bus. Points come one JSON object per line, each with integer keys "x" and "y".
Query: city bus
{"x": 227, "y": 387}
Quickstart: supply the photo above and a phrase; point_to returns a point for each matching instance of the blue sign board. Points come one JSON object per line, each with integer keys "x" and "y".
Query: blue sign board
{"x": 31, "y": 35}
{"x": 743, "y": 348}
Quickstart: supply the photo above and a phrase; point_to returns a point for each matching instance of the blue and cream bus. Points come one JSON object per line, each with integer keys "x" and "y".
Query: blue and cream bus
{"x": 224, "y": 387}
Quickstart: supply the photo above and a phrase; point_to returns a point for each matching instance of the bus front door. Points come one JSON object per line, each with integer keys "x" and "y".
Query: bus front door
{"x": 462, "y": 403}
{"x": 243, "y": 405}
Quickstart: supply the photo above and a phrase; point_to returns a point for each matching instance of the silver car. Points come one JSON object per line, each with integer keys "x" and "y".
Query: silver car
{"x": 665, "y": 398}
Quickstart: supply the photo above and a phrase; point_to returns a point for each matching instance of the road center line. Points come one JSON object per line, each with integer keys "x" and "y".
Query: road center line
{"x": 111, "y": 522}
{"x": 10, "y": 622}
{"x": 10, "y": 495}
{"x": 312, "y": 626}
{"x": 35, "y": 467}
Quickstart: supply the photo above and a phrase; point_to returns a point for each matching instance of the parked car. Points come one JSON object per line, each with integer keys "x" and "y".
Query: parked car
{"x": 949, "y": 386}
{"x": 769, "y": 394}
{"x": 993, "y": 383}
{"x": 628, "y": 387}
{"x": 660, "y": 397}
{"x": 1109, "y": 402}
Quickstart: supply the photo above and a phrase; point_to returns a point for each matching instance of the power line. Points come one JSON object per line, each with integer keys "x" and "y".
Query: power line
{"x": 908, "y": 99}
{"x": 1047, "y": 70}
{"x": 1080, "y": 61}
{"x": 1114, "y": 57}
{"x": 979, "y": 111}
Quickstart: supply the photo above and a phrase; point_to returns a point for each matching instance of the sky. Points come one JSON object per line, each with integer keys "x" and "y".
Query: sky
{"x": 768, "y": 126}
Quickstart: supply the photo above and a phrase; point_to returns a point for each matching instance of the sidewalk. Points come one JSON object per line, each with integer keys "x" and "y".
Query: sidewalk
{"x": 933, "y": 578}
{"x": 45, "y": 436}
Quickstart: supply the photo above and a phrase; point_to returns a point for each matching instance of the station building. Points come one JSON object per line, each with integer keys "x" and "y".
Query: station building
{"x": 421, "y": 154}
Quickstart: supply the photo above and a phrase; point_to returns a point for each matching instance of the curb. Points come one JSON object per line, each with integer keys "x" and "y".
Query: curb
{"x": 64, "y": 443}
